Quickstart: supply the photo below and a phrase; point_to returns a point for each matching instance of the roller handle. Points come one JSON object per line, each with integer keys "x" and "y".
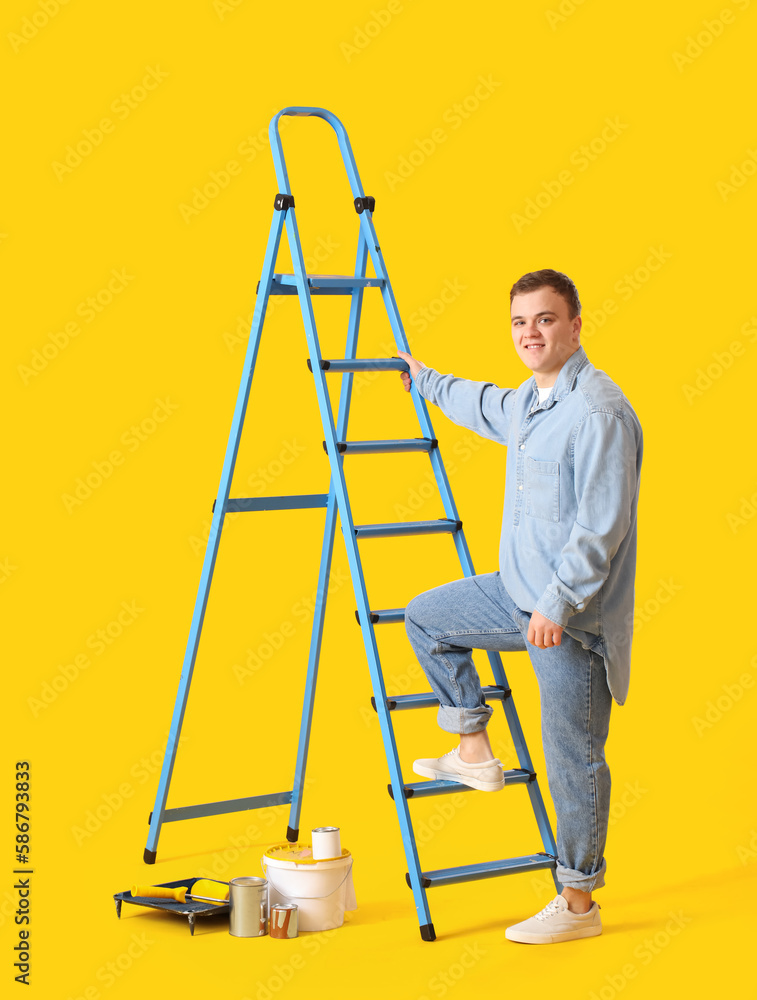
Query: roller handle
{"x": 160, "y": 892}
{"x": 180, "y": 893}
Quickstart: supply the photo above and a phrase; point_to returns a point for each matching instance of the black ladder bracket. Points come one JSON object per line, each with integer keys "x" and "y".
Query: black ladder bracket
{"x": 426, "y": 883}
{"x": 283, "y": 201}
{"x": 367, "y": 202}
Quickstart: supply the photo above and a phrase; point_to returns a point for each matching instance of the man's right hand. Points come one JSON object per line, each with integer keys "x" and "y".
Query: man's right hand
{"x": 414, "y": 365}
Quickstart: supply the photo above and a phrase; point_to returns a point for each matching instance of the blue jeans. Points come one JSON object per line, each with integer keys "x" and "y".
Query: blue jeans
{"x": 445, "y": 624}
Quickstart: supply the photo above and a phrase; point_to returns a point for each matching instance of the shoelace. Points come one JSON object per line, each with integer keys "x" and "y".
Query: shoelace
{"x": 550, "y": 910}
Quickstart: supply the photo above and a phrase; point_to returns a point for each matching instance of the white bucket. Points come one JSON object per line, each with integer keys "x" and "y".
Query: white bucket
{"x": 322, "y": 890}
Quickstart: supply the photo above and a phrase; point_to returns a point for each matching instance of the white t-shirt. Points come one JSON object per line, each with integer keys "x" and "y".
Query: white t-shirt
{"x": 543, "y": 393}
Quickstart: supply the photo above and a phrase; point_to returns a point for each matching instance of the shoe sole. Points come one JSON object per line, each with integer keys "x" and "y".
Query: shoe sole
{"x": 482, "y": 786}
{"x": 525, "y": 938}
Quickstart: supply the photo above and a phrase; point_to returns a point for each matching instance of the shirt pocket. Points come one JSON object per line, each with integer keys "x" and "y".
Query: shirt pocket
{"x": 543, "y": 489}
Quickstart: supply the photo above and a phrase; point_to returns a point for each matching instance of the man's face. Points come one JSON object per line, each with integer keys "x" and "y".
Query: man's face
{"x": 543, "y": 335}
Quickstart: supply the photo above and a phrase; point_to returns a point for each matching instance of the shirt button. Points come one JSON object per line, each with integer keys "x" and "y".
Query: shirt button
{"x": 520, "y": 486}
{"x": 522, "y": 447}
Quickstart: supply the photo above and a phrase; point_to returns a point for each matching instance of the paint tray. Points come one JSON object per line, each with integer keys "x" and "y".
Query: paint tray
{"x": 189, "y": 909}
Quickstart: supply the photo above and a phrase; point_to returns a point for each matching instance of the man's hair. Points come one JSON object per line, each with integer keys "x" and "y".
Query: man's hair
{"x": 560, "y": 282}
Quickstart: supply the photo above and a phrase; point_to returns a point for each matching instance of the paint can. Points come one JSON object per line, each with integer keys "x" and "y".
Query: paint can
{"x": 283, "y": 920}
{"x": 248, "y": 896}
{"x": 326, "y": 843}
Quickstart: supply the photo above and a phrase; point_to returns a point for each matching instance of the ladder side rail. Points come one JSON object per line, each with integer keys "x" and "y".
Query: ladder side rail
{"x": 344, "y": 146}
{"x": 325, "y": 564}
{"x": 390, "y": 303}
{"x": 214, "y": 538}
{"x": 450, "y": 508}
{"x": 524, "y": 762}
{"x": 353, "y": 557}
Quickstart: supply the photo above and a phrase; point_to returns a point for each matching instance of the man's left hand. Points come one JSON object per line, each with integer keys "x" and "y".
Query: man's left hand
{"x": 542, "y": 632}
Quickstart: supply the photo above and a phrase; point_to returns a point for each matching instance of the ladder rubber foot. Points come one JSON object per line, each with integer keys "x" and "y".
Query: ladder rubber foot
{"x": 427, "y": 932}
{"x": 292, "y": 835}
{"x": 150, "y": 856}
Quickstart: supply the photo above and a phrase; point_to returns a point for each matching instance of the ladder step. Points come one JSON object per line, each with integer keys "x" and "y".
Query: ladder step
{"x": 384, "y": 447}
{"x": 385, "y": 617}
{"x": 444, "y": 525}
{"x": 488, "y": 869}
{"x": 294, "y": 502}
{"x": 229, "y": 806}
{"x": 362, "y": 365}
{"x": 322, "y": 284}
{"x": 427, "y": 699}
{"x": 422, "y": 789}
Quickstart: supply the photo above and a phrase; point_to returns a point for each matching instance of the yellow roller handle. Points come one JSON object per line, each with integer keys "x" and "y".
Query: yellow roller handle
{"x": 160, "y": 892}
{"x": 203, "y": 889}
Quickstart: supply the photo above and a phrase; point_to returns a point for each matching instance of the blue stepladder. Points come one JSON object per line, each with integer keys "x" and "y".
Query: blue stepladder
{"x": 336, "y": 501}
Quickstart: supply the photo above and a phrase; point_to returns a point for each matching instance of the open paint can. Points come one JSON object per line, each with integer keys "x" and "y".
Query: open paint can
{"x": 326, "y": 843}
{"x": 283, "y": 920}
{"x": 248, "y": 896}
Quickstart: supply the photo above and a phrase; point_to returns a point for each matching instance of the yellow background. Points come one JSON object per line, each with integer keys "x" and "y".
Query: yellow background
{"x": 683, "y": 837}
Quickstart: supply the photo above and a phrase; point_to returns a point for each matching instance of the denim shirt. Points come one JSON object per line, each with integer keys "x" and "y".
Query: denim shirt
{"x": 568, "y": 543}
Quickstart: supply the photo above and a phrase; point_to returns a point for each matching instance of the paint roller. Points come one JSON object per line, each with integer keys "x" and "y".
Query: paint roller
{"x": 200, "y": 892}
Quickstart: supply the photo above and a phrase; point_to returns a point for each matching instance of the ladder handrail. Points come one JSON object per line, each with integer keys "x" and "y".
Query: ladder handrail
{"x": 344, "y": 145}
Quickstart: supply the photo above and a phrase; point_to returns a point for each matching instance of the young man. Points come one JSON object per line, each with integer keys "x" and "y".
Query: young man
{"x": 565, "y": 586}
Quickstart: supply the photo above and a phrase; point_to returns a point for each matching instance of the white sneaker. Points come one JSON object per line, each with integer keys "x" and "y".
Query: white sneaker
{"x": 486, "y": 776}
{"x": 556, "y": 923}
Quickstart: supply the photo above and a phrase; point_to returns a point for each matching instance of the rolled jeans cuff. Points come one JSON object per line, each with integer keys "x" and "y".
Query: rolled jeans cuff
{"x": 580, "y": 880}
{"x": 454, "y": 719}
